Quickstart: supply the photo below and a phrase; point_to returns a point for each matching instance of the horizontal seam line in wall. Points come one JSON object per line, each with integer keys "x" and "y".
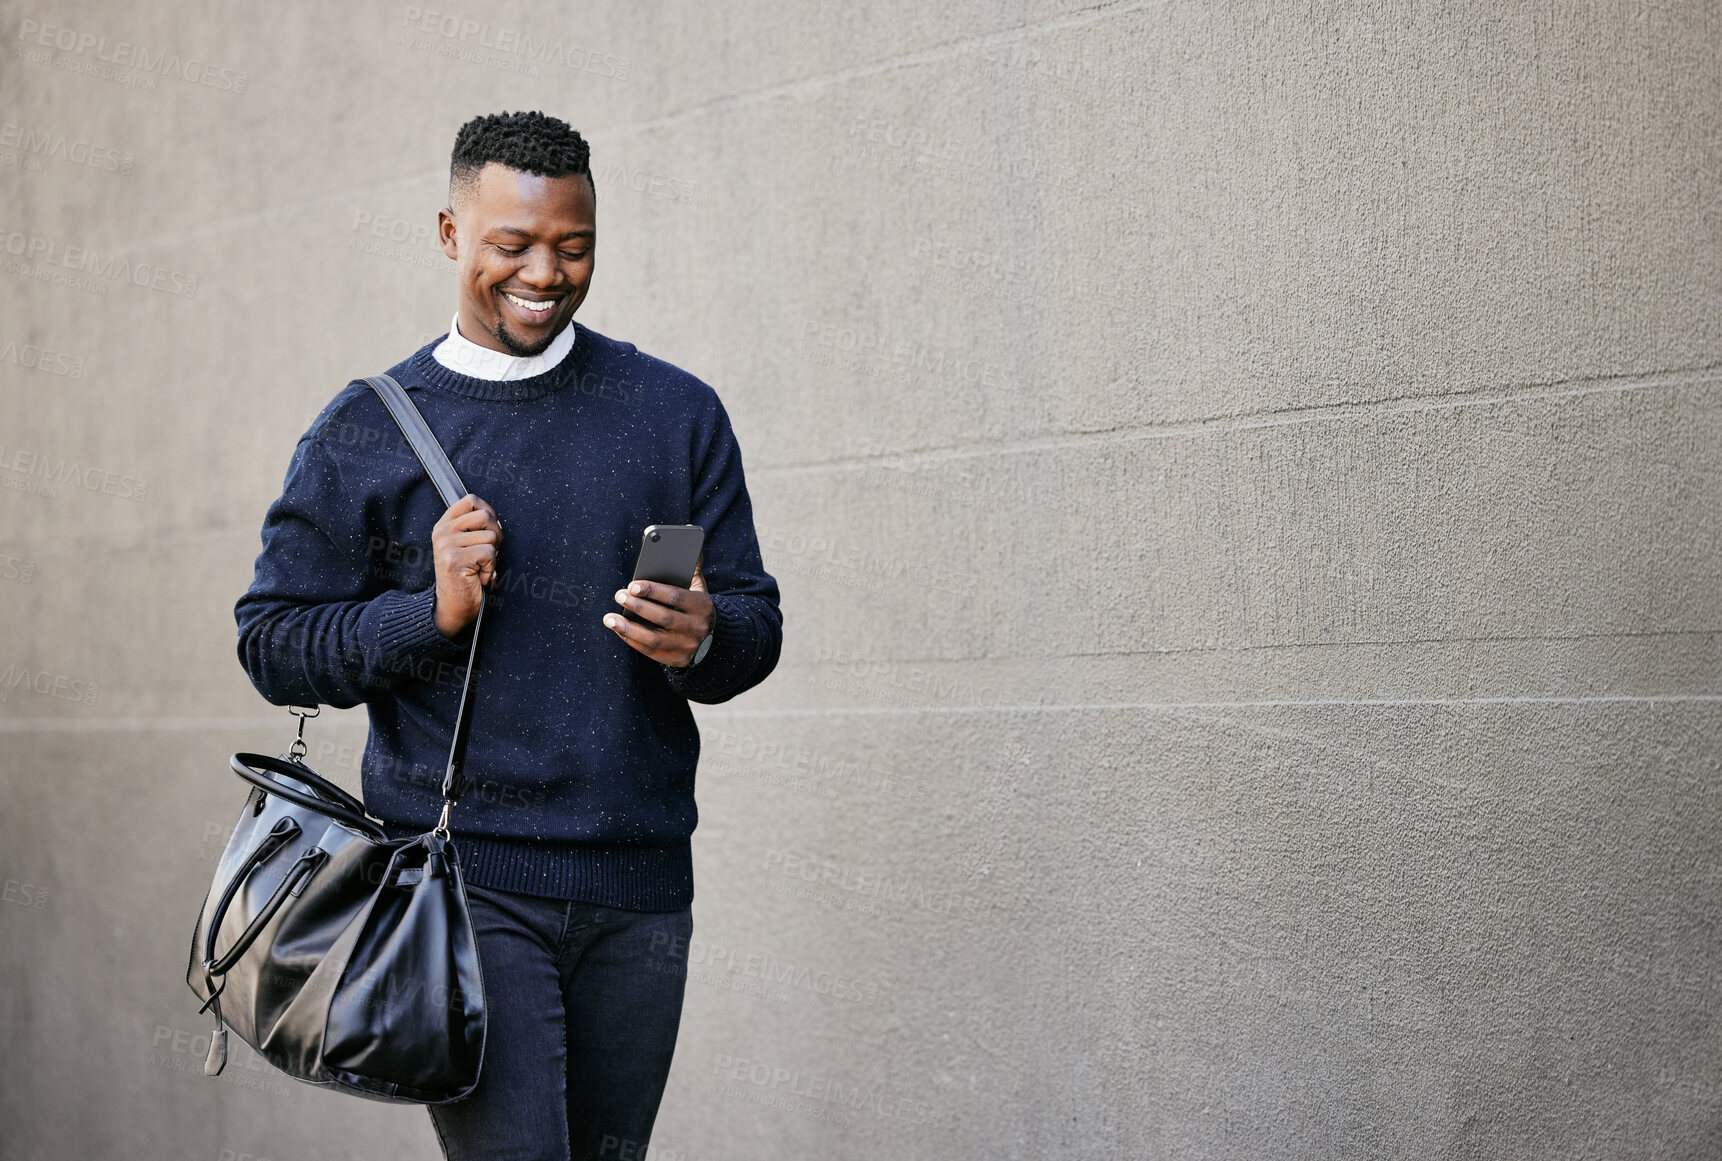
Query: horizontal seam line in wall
{"x": 275, "y": 213}
{"x": 809, "y": 85}
{"x": 1314, "y": 703}
{"x": 716, "y": 105}
{"x": 130, "y": 540}
{"x": 144, "y": 725}
{"x": 1281, "y": 417}
{"x": 1044, "y": 658}
{"x": 1690, "y": 377}
{"x": 60, "y": 725}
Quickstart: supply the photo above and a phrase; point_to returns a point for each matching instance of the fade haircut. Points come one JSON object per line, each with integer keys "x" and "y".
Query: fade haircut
{"x": 530, "y": 142}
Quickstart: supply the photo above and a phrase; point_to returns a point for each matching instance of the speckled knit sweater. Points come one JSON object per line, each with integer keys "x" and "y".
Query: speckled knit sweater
{"x": 582, "y": 755}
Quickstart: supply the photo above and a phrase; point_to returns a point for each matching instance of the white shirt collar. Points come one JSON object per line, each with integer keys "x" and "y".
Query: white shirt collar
{"x": 460, "y": 354}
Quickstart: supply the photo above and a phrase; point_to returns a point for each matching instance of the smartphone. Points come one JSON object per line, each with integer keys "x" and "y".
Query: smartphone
{"x": 668, "y": 554}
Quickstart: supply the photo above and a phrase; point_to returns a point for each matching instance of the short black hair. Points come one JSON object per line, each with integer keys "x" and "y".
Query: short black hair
{"x": 530, "y": 142}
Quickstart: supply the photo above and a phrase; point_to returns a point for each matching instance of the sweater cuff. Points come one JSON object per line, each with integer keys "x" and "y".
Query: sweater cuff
{"x": 406, "y": 629}
{"x": 727, "y": 663}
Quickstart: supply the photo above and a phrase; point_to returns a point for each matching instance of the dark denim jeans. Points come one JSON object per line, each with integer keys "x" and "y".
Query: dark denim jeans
{"x": 582, "y": 1025}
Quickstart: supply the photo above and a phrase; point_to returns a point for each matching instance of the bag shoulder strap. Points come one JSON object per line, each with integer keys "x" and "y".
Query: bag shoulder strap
{"x": 419, "y": 434}
{"x": 447, "y": 481}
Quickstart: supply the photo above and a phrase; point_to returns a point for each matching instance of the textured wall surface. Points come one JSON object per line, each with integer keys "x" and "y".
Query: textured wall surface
{"x": 1246, "y": 482}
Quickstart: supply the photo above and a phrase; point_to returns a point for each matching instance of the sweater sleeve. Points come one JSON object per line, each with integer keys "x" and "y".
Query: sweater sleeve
{"x": 315, "y": 627}
{"x": 749, "y": 632}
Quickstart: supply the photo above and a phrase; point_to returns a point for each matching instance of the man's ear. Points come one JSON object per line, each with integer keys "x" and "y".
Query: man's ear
{"x": 445, "y": 233}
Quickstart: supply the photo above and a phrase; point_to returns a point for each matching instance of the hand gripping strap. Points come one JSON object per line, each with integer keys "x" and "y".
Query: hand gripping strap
{"x": 448, "y": 484}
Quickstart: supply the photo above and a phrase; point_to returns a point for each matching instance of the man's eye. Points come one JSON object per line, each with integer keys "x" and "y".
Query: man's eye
{"x": 515, "y": 250}
{"x": 573, "y": 257}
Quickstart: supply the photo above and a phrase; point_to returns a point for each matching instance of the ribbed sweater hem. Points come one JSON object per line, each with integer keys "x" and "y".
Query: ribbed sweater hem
{"x": 628, "y": 876}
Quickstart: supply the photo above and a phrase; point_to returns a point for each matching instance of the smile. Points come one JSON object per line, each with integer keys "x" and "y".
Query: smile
{"x": 535, "y": 309}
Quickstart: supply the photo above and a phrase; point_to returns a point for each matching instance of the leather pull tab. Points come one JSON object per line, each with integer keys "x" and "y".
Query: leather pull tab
{"x": 217, "y": 1058}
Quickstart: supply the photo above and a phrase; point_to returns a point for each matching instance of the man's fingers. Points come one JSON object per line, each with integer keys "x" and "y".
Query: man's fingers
{"x": 470, "y": 521}
{"x": 470, "y": 512}
{"x": 660, "y": 593}
{"x": 479, "y": 559}
{"x": 656, "y": 613}
{"x": 675, "y": 619}
{"x": 644, "y": 638}
{"x": 672, "y": 619}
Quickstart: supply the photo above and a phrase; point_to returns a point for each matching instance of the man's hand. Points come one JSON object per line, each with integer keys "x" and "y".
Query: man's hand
{"x": 680, "y": 619}
{"x": 464, "y": 544}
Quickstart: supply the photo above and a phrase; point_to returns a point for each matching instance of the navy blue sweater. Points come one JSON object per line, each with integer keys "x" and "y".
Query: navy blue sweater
{"x": 581, "y": 761}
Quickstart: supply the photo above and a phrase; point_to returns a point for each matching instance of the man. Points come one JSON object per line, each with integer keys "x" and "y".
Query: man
{"x": 573, "y": 831}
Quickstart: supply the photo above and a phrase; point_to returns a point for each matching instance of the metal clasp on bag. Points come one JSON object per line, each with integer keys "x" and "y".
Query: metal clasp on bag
{"x": 441, "y": 827}
{"x": 299, "y": 749}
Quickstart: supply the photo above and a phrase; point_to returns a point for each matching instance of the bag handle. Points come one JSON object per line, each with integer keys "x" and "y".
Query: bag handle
{"x": 285, "y": 832}
{"x": 321, "y": 795}
{"x": 448, "y": 485}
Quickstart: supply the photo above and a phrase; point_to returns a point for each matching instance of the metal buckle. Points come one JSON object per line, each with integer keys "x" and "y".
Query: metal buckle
{"x": 299, "y": 749}
{"x": 441, "y": 827}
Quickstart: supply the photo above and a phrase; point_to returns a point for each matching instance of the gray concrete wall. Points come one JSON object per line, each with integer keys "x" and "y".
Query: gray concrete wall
{"x": 1246, "y": 485}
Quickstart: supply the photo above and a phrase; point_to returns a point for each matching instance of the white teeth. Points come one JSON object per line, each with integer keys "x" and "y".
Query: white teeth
{"x": 534, "y": 307}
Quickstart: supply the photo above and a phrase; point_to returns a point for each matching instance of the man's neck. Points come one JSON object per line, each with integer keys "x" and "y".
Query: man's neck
{"x": 460, "y": 354}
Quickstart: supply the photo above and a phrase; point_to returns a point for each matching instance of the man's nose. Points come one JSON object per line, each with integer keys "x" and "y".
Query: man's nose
{"x": 540, "y": 269}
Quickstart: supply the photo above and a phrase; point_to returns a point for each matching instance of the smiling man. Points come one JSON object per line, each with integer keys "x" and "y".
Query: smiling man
{"x": 574, "y": 832}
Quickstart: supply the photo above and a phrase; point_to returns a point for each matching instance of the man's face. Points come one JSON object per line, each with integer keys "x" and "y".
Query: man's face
{"x": 524, "y": 244}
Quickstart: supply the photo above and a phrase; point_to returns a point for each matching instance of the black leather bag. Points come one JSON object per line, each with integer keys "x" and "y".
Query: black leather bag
{"x": 344, "y": 957}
